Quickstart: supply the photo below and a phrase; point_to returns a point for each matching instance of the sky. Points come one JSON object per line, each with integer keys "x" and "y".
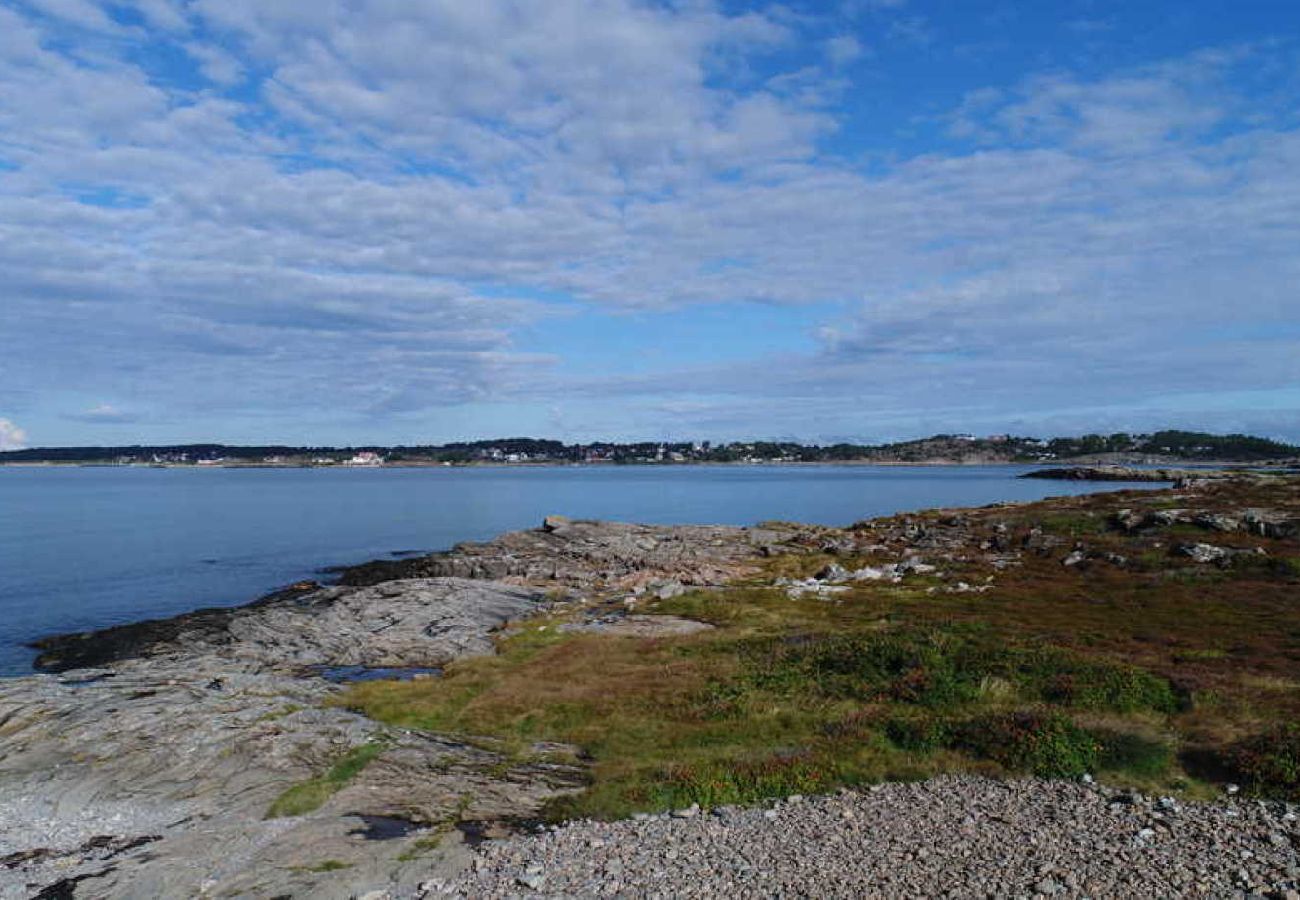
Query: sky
{"x": 417, "y": 221}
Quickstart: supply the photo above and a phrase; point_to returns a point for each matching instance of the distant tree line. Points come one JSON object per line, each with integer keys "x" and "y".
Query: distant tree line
{"x": 1190, "y": 445}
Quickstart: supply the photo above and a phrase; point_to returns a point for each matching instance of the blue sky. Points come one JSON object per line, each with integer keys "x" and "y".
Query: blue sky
{"x": 346, "y": 221}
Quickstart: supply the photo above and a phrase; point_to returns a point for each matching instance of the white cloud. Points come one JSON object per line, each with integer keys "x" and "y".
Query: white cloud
{"x": 168, "y": 15}
{"x": 82, "y": 13}
{"x": 104, "y": 414}
{"x": 216, "y": 64}
{"x": 11, "y": 436}
{"x": 843, "y": 49}
{"x": 375, "y": 239}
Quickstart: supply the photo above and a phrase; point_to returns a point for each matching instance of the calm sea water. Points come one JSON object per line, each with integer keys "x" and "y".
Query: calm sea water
{"x": 89, "y": 547}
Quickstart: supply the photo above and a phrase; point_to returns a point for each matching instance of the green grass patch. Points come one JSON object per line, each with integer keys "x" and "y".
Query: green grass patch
{"x": 311, "y": 795}
{"x": 743, "y": 781}
{"x": 1200, "y": 654}
{"x": 329, "y": 865}
{"x": 1135, "y": 754}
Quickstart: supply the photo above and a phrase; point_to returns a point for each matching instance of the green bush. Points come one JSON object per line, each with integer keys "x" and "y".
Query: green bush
{"x": 1067, "y": 680}
{"x": 925, "y": 670}
{"x": 920, "y": 734}
{"x": 942, "y": 669}
{"x": 1270, "y": 762}
{"x": 1044, "y": 743}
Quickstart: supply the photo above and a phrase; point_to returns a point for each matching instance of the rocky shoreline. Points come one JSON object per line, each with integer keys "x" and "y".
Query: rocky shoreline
{"x": 171, "y": 758}
{"x": 146, "y": 763}
{"x": 1177, "y": 477}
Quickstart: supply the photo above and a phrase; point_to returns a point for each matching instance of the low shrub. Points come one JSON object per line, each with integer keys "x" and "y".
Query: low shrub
{"x": 1045, "y": 743}
{"x": 1287, "y": 566}
{"x": 941, "y": 669}
{"x": 1067, "y": 679}
{"x": 924, "y": 670}
{"x": 1270, "y": 762}
{"x": 920, "y": 734}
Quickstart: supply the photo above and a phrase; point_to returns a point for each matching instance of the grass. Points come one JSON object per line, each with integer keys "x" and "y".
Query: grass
{"x": 742, "y": 714}
{"x": 426, "y": 844}
{"x": 329, "y": 865}
{"x": 310, "y": 795}
{"x": 1110, "y": 669}
{"x": 1072, "y": 524}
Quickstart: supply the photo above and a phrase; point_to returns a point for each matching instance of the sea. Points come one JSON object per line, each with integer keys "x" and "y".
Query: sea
{"x": 89, "y": 547}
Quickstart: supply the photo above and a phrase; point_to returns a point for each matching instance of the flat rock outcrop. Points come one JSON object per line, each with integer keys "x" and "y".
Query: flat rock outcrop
{"x": 154, "y": 779}
{"x": 412, "y": 622}
{"x": 587, "y": 555}
{"x": 148, "y": 767}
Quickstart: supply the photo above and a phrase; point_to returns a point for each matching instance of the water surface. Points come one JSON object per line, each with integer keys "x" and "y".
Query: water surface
{"x": 89, "y": 547}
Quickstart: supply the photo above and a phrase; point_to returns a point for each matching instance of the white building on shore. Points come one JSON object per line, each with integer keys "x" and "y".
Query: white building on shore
{"x": 365, "y": 458}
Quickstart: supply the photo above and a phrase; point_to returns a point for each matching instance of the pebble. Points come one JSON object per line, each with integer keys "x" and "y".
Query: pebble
{"x": 953, "y": 836}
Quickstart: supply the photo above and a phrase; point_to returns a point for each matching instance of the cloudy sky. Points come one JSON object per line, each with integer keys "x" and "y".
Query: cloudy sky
{"x": 425, "y": 220}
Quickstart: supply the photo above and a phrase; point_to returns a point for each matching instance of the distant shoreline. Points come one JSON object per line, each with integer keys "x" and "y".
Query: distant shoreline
{"x": 553, "y": 464}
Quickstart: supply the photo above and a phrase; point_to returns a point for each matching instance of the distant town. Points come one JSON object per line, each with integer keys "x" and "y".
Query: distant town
{"x": 1156, "y": 447}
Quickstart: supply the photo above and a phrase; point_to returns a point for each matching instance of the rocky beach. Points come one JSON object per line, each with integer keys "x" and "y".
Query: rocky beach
{"x": 224, "y": 753}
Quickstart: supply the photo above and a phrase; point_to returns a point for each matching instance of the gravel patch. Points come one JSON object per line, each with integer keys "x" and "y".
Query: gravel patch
{"x": 947, "y": 837}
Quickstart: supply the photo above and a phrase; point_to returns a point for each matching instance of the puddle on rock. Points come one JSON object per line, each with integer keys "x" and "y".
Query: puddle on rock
{"x": 90, "y": 678}
{"x": 384, "y": 828}
{"x": 351, "y": 674}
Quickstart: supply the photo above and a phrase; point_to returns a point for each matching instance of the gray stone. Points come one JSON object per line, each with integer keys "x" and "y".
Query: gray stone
{"x": 669, "y": 589}
{"x": 533, "y": 882}
{"x": 833, "y": 573}
{"x": 1203, "y": 553}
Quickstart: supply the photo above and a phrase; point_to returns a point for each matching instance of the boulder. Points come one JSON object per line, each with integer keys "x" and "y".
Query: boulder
{"x": 1218, "y": 522}
{"x": 1203, "y": 553}
{"x": 1128, "y": 520}
{"x": 1270, "y": 524}
{"x": 833, "y": 572}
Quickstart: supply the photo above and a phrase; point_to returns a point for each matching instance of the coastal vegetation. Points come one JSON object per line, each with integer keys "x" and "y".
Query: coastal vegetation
{"x": 1138, "y": 664}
